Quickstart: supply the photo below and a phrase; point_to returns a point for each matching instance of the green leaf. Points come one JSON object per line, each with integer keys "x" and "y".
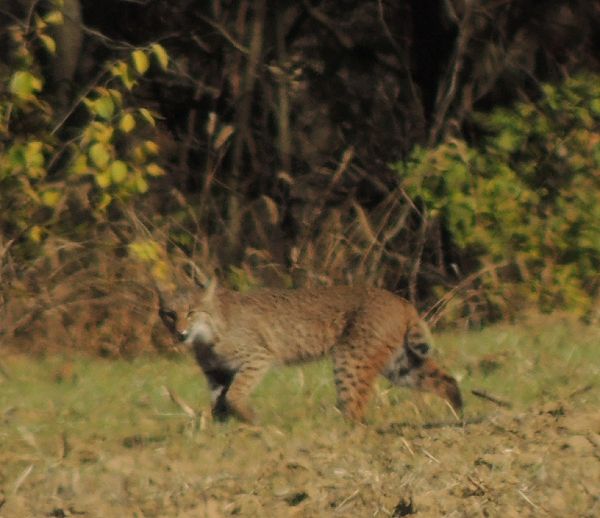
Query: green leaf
{"x": 127, "y": 123}
{"x": 161, "y": 55}
{"x": 16, "y": 157}
{"x": 140, "y": 61}
{"x": 118, "y": 171}
{"x": 24, "y": 84}
{"x": 100, "y": 155}
{"x": 104, "y": 107}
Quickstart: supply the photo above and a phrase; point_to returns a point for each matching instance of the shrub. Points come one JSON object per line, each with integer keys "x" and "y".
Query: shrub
{"x": 526, "y": 196}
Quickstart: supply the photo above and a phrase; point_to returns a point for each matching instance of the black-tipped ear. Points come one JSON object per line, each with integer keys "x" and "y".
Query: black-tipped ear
{"x": 195, "y": 273}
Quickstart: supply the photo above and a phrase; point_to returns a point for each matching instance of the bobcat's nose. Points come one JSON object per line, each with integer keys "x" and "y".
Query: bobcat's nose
{"x": 182, "y": 335}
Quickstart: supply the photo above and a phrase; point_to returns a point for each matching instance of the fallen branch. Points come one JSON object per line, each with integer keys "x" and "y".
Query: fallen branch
{"x": 485, "y": 395}
{"x": 581, "y": 390}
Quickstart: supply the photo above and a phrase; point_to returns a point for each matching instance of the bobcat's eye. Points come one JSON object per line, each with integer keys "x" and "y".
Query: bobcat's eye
{"x": 166, "y": 314}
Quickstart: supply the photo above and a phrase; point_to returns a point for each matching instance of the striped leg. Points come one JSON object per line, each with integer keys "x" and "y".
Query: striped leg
{"x": 353, "y": 380}
{"x": 245, "y": 381}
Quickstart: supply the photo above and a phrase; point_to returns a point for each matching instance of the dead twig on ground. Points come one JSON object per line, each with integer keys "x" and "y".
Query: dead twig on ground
{"x": 485, "y": 395}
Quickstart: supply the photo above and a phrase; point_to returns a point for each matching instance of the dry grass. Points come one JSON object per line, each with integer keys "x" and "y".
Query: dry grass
{"x": 132, "y": 438}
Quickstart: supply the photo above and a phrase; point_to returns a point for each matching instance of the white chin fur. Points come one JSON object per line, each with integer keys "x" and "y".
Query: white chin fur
{"x": 200, "y": 332}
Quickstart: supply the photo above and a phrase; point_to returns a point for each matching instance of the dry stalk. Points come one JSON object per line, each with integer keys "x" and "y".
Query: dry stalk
{"x": 22, "y": 477}
{"x": 187, "y": 409}
{"x": 485, "y": 395}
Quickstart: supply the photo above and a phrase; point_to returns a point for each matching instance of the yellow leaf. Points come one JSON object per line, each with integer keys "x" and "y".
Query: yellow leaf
{"x": 147, "y": 115}
{"x": 103, "y": 179}
{"x": 140, "y": 61}
{"x": 161, "y": 55}
{"x": 104, "y": 107}
{"x": 116, "y": 95}
{"x": 99, "y": 155}
{"x": 127, "y": 123}
{"x": 49, "y": 43}
{"x": 35, "y": 233}
{"x": 24, "y": 84}
{"x": 80, "y": 165}
{"x": 54, "y": 18}
{"x": 122, "y": 71}
{"x": 118, "y": 171}
{"x": 118, "y": 69}
{"x": 40, "y": 24}
{"x": 138, "y": 154}
{"x": 101, "y": 132}
{"x": 141, "y": 185}
{"x": 34, "y": 157}
{"x": 104, "y": 201}
{"x": 51, "y": 198}
{"x": 151, "y": 147}
{"x": 155, "y": 170}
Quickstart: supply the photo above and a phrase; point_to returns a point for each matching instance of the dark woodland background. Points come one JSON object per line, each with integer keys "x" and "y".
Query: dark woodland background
{"x": 446, "y": 150}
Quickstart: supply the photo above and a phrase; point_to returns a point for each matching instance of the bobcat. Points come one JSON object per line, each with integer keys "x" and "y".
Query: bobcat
{"x": 237, "y": 337}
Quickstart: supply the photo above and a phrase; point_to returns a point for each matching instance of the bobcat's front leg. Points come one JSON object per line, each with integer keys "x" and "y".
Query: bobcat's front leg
{"x": 245, "y": 381}
{"x": 219, "y": 381}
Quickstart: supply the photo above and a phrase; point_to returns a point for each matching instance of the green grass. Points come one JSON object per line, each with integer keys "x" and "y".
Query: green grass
{"x": 74, "y": 427}
{"x": 519, "y": 364}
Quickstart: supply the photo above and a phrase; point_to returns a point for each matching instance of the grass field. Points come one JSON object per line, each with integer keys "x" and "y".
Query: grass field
{"x": 91, "y": 437}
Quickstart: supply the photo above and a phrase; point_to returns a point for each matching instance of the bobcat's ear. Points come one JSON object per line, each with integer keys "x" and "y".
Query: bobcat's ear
{"x": 210, "y": 288}
{"x": 162, "y": 290}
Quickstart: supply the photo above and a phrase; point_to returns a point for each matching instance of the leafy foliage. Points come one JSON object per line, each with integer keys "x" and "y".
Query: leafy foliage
{"x": 59, "y": 174}
{"x": 526, "y": 195}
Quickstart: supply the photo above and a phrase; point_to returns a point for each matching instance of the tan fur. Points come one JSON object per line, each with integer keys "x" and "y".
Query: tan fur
{"x": 238, "y": 337}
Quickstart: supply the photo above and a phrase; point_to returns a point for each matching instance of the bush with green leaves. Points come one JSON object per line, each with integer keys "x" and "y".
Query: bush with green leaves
{"x": 60, "y": 173}
{"x": 527, "y": 196}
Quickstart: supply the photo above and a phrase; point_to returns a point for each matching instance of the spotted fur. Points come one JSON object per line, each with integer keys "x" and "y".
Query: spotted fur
{"x": 238, "y": 337}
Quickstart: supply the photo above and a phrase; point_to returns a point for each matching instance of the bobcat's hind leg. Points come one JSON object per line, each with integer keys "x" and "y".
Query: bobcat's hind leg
{"x": 244, "y": 382}
{"x": 354, "y": 378}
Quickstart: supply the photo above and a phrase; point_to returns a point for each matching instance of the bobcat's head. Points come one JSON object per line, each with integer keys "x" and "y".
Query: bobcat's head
{"x": 413, "y": 367}
{"x": 189, "y": 313}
